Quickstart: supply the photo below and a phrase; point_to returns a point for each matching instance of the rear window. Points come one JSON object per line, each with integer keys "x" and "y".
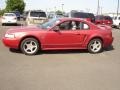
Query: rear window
{"x": 79, "y": 15}
{"x": 9, "y": 14}
{"x": 108, "y": 18}
{"x": 91, "y": 15}
{"x": 37, "y": 14}
{"x": 99, "y": 17}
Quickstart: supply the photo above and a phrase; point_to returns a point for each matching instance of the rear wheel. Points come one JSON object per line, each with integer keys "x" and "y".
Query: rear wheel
{"x": 29, "y": 46}
{"x": 95, "y": 46}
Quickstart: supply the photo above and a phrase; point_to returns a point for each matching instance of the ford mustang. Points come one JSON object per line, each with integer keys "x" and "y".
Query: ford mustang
{"x": 59, "y": 34}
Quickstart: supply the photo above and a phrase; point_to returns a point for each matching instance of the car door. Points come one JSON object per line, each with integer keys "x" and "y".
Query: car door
{"x": 64, "y": 38}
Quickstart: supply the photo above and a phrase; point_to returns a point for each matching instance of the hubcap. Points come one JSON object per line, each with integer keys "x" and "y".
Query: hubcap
{"x": 30, "y": 47}
{"x": 95, "y": 46}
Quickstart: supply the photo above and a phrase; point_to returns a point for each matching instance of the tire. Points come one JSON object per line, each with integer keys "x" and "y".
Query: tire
{"x": 118, "y": 26}
{"x": 3, "y": 24}
{"x": 29, "y": 46}
{"x": 95, "y": 46}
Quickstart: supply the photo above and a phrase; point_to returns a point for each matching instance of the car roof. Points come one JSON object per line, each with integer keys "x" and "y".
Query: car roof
{"x": 76, "y": 19}
{"x": 9, "y": 13}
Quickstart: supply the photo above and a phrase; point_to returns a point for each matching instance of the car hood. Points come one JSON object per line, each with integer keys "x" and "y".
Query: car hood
{"x": 23, "y": 29}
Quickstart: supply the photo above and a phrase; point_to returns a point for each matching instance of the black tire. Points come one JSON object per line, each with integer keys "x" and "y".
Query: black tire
{"x": 100, "y": 46}
{"x": 3, "y": 24}
{"x": 35, "y": 46}
{"x": 118, "y": 26}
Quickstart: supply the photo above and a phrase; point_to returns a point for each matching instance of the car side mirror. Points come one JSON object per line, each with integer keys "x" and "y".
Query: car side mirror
{"x": 56, "y": 29}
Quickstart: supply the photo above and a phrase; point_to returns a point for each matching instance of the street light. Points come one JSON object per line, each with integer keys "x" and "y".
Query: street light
{"x": 62, "y": 7}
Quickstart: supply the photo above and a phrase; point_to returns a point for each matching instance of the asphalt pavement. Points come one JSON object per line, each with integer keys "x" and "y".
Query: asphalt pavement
{"x": 60, "y": 70}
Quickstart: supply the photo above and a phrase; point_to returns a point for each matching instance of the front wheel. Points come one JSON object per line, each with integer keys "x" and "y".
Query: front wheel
{"x": 29, "y": 46}
{"x": 95, "y": 46}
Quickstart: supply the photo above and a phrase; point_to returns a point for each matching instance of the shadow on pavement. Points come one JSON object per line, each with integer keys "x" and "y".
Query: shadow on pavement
{"x": 110, "y": 48}
{"x": 61, "y": 51}
{"x": 18, "y": 24}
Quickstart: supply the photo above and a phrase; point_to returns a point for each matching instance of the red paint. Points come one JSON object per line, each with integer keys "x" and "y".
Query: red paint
{"x": 68, "y": 39}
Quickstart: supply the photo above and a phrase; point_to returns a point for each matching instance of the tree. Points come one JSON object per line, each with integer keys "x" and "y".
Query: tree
{"x": 15, "y": 5}
{"x": 2, "y": 12}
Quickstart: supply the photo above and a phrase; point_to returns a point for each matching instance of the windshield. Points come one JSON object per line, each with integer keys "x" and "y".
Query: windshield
{"x": 49, "y": 24}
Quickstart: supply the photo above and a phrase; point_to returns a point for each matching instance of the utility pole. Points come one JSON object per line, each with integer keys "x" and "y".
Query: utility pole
{"x": 117, "y": 7}
{"x": 98, "y": 7}
{"x": 62, "y": 7}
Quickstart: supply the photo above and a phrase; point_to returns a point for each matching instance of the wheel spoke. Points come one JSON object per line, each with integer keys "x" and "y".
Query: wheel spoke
{"x": 30, "y": 47}
{"x": 95, "y": 46}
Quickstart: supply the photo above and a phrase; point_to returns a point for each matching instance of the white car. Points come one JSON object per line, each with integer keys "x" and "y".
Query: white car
{"x": 116, "y": 21}
{"x": 9, "y": 18}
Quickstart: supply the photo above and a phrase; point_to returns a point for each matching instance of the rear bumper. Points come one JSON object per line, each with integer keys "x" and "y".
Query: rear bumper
{"x": 9, "y": 22}
{"x": 108, "y": 42}
{"x": 11, "y": 43}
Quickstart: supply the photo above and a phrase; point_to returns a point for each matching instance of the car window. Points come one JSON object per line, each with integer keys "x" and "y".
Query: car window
{"x": 73, "y": 25}
{"x": 49, "y": 24}
{"x": 119, "y": 18}
{"x": 108, "y": 18}
{"x": 69, "y": 25}
{"x": 99, "y": 18}
{"x": 37, "y": 14}
{"x": 9, "y": 14}
{"x": 65, "y": 25}
{"x": 79, "y": 15}
{"x": 83, "y": 26}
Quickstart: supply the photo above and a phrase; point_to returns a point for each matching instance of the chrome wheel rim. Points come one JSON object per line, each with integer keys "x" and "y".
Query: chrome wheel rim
{"x": 30, "y": 47}
{"x": 95, "y": 46}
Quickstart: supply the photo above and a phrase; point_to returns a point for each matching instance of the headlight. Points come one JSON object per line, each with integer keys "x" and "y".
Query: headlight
{"x": 9, "y": 35}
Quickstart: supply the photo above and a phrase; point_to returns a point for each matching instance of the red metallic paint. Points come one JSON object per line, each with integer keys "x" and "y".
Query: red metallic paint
{"x": 68, "y": 39}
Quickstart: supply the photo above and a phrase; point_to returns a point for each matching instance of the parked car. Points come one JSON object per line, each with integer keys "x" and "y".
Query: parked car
{"x": 83, "y": 15}
{"x": 116, "y": 21}
{"x": 101, "y": 19}
{"x": 36, "y": 17}
{"x": 9, "y": 18}
{"x": 17, "y": 13}
{"x": 54, "y": 15}
{"x": 59, "y": 34}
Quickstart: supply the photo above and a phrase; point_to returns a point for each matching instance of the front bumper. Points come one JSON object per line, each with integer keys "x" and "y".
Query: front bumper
{"x": 11, "y": 43}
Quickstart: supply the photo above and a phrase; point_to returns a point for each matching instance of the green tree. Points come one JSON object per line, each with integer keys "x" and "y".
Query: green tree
{"x": 2, "y": 12}
{"x": 15, "y": 5}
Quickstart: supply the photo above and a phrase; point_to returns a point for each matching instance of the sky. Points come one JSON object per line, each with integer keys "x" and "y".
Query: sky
{"x": 106, "y": 6}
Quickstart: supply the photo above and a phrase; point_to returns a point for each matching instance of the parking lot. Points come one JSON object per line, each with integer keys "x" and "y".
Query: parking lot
{"x": 60, "y": 70}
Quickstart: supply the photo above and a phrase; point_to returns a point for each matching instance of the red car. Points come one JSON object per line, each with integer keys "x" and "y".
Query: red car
{"x": 59, "y": 34}
{"x": 103, "y": 20}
